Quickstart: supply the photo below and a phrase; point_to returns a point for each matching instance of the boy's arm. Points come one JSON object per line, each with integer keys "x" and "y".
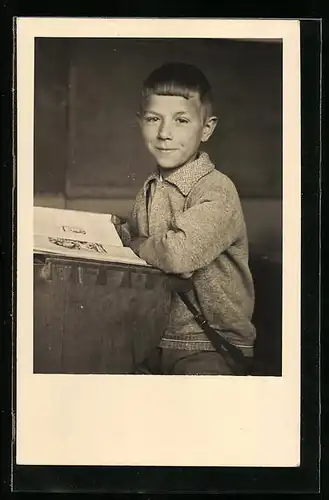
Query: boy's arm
{"x": 198, "y": 235}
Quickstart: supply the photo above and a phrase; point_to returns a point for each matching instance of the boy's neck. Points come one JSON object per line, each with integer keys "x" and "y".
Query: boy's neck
{"x": 165, "y": 172}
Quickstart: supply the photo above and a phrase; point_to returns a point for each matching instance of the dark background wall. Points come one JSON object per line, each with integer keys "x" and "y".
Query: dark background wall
{"x": 88, "y": 150}
{"x": 89, "y": 156}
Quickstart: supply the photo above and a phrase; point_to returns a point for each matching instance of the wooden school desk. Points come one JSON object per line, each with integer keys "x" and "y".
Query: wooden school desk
{"x": 91, "y": 317}
{"x": 103, "y": 318}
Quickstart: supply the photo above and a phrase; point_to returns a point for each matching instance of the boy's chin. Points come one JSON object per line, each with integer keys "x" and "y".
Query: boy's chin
{"x": 166, "y": 166}
{"x": 170, "y": 163}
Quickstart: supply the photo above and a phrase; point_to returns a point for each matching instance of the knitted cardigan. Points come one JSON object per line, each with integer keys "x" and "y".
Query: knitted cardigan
{"x": 194, "y": 227}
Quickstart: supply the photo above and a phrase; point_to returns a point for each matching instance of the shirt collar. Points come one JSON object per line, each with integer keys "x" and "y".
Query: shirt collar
{"x": 188, "y": 175}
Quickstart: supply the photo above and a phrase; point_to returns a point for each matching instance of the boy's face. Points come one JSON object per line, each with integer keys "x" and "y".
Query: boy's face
{"x": 173, "y": 128}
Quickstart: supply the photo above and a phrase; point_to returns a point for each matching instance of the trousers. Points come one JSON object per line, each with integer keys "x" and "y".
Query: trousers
{"x": 166, "y": 361}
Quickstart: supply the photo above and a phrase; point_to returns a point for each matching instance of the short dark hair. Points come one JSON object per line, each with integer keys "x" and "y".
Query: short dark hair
{"x": 178, "y": 79}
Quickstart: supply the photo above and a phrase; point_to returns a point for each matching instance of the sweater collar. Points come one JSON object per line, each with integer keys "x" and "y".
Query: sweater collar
{"x": 188, "y": 175}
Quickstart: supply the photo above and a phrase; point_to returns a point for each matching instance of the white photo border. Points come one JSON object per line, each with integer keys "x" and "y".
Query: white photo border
{"x": 141, "y": 421}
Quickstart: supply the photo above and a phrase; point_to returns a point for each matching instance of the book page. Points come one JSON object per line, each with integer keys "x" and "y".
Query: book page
{"x": 75, "y": 225}
{"x": 86, "y": 250}
{"x": 82, "y": 235}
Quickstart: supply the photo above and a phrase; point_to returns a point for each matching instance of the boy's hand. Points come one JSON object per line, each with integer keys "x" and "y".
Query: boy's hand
{"x": 118, "y": 221}
{"x": 136, "y": 243}
{"x": 122, "y": 229}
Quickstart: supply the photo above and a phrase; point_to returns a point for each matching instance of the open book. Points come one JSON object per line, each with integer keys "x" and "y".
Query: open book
{"x": 81, "y": 235}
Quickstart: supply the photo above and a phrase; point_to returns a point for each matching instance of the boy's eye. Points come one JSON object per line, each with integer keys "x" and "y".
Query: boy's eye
{"x": 182, "y": 120}
{"x": 151, "y": 119}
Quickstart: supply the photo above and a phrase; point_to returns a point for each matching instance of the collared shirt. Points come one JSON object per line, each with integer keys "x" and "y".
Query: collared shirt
{"x": 194, "y": 226}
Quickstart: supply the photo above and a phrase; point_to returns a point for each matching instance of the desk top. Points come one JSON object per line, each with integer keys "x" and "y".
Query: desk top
{"x": 46, "y": 259}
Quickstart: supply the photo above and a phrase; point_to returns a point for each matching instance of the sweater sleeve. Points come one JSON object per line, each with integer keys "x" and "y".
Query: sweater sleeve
{"x": 199, "y": 234}
{"x": 132, "y": 224}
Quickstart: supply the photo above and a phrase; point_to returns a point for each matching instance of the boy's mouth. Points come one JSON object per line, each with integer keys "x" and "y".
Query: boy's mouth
{"x": 166, "y": 150}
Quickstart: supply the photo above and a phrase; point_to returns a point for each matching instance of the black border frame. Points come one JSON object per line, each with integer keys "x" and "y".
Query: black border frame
{"x": 165, "y": 480}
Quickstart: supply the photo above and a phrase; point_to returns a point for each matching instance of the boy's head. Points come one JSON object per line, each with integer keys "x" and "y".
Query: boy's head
{"x": 176, "y": 113}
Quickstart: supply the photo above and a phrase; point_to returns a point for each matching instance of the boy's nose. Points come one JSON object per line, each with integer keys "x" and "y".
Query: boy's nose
{"x": 164, "y": 131}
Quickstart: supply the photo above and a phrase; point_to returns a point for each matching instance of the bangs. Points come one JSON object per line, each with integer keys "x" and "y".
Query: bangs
{"x": 179, "y": 90}
{"x": 171, "y": 89}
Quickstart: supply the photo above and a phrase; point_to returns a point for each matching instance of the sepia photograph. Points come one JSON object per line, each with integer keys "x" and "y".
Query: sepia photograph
{"x": 158, "y": 231}
{"x": 206, "y": 116}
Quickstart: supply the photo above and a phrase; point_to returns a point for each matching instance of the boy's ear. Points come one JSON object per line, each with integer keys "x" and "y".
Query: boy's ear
{"x": 209, "y": 128}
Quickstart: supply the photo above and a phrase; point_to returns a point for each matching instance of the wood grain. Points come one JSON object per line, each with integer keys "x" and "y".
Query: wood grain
{"x": 86, "y": 321}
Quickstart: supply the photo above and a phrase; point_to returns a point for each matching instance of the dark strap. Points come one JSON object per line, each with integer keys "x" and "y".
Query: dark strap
{"x": 222, "y": 346}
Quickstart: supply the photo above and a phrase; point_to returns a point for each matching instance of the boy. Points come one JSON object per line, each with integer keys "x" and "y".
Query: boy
{"x": 187, "y": 220}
